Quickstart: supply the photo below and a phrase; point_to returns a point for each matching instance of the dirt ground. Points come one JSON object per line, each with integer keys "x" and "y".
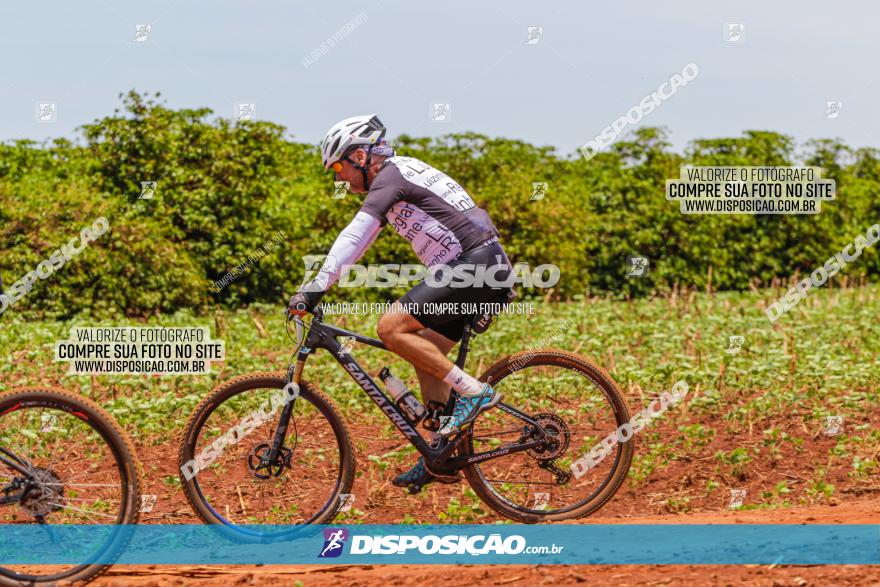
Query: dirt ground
{"x": 852, "y": 503}
{"x": 863, "y": 511}
{"x": 676, "y": 492}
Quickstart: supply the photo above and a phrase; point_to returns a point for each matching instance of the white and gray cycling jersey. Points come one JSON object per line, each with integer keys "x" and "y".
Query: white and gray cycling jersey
{"x": 428, "y": 208}
{"x": 424, "y": 205}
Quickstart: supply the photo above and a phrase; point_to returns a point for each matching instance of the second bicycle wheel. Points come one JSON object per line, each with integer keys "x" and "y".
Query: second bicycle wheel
{"x": 69, "y": 479}
{"x": 232, "y": 430}
{"x": 578, "y": 405}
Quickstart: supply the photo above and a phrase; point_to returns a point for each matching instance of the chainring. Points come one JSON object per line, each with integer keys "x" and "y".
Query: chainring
{"x": 556, "y": 440}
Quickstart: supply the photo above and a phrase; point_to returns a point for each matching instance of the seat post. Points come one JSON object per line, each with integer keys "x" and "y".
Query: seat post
{"x": 464, "y": 346}
{"x": 459, "y": 362}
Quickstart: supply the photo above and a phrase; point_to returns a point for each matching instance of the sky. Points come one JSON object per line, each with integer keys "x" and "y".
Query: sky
{"x": 590, "y": 64}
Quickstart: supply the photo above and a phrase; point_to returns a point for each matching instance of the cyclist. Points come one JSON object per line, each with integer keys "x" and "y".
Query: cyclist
{"x": 446, "y": 230}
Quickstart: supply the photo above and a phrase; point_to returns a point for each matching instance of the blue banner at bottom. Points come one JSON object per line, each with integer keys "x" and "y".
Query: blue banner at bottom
{"x": 441, "y": 544}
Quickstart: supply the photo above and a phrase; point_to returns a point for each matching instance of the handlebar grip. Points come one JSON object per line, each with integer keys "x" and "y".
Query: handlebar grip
{"x": 289, "y": 311}
{"x": 302, "y": 307}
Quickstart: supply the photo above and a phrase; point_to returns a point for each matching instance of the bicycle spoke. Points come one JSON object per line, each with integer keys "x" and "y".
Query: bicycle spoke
{"x": 108, "y": 499}
{"x": 234, "y": 492}
{"x": 68, "y": 507}
{"x": 63, "y": 484}
{"x": 521, "y": 482}
{"x": 553, "y": 394}
{"x": 81, "y": 475}
{"x": 77, "y": 469}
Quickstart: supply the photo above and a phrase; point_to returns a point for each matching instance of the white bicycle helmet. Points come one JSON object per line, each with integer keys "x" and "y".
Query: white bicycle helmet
{"x": 358, "y": 130}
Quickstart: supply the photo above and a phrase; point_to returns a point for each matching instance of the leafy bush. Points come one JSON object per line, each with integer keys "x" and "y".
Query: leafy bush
{"x": 224, "y": 189}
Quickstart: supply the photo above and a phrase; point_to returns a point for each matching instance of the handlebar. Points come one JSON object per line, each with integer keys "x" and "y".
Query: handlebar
{"x": 317, "y": 312}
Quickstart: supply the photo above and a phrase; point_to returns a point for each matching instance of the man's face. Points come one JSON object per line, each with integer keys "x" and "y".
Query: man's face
{"x": 350, "y": 173}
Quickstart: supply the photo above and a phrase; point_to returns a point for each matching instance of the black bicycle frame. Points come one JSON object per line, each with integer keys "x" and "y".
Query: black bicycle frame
{"x": 17, "y": 464}
{"x": 324, "y": 336}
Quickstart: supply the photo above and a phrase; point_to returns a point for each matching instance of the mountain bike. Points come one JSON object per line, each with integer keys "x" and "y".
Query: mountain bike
{"x": 63, "y": 461}
{"x": 272, "y": 448}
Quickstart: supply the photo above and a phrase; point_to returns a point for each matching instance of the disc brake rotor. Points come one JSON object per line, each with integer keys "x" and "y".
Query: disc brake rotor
{"x": 44, "y": 493}
{"x": 260, "y": 465}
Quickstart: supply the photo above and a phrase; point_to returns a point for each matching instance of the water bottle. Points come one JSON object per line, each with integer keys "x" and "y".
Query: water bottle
{"x": 412, "y": 407}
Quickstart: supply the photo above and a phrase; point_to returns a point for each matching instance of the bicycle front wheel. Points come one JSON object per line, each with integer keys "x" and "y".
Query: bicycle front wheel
{"x": 63, "y": 461}
{"x": 577, "y": 404}
{"x": 225, "y": 470}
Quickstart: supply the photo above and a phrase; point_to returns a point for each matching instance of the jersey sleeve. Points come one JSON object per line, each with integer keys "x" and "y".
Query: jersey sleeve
{"x": 350, "y": 246}
{"x": 388, "y": 188}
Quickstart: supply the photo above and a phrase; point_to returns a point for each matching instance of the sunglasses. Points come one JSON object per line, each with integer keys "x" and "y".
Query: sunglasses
{"x": 337, "y": 167}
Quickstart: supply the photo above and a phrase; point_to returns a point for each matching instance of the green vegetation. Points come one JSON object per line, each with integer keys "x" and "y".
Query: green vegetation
{"x": 752, "y": 420}
{"x": 224, "y": 189}
{"x": 467, "y": 510}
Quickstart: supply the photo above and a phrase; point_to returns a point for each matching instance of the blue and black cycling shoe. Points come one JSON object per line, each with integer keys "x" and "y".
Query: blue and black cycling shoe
{"x": 419, "y": 476}
{"x": 468, "y": 407}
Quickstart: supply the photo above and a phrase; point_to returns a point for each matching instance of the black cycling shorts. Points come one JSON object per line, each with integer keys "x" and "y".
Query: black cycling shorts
{"x": 419, "y": 300}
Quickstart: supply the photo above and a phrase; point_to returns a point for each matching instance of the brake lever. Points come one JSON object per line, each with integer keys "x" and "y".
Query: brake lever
{"x": 290, "y": 315}
{"x": 317, "y": 313}
{"x": 300, "y": 333}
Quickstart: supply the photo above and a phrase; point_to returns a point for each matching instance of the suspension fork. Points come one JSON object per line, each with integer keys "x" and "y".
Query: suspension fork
{"x": 294, "y": 376}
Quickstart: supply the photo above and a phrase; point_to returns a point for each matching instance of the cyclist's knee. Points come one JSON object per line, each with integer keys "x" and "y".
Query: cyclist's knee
{"x": 394, "y": 324}
{"x": 386, "y": 329}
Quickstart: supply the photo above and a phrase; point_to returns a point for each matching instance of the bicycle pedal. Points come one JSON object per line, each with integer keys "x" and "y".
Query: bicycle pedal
{"x": 457, "y": 437}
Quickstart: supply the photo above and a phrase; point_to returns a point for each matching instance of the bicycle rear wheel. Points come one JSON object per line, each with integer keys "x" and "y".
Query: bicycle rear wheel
{"x": 220, "y": 457}
{"x": 67, "y": 462}
{"x": 578, "y": 405}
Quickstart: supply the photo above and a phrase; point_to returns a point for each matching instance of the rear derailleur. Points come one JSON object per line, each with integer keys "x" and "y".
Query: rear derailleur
{"x": 554, "y": 444}
{"x": 562, "y": 477}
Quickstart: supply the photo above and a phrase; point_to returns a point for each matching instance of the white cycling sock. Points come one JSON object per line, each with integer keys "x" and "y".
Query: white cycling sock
{"x": 462, "y": 382}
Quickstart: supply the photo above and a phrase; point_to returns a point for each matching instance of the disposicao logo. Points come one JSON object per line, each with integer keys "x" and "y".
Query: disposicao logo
{"x": 456, "y": 544}
{"x": 334, "y": 539}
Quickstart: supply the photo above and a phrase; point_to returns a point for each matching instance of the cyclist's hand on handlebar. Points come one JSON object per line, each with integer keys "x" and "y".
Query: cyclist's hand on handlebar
{"x": 304, "y": 302}
{"x": 299, "y": 305}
